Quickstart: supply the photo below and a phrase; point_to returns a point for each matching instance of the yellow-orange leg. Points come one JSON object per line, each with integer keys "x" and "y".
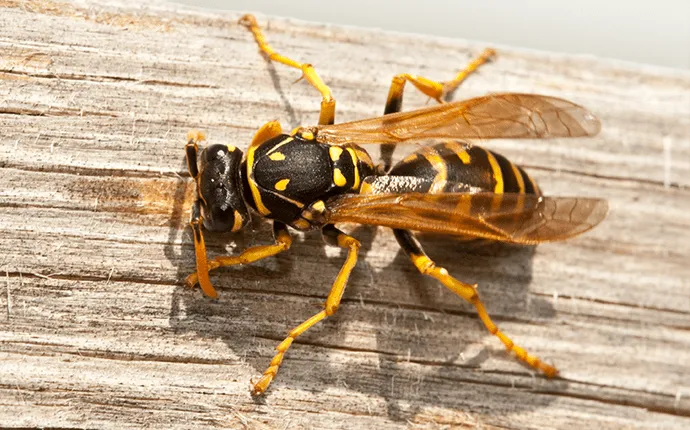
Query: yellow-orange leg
{"x": 194, "y": 137}
{"x": 468, "y": 292}
{"x": 282, "y": 243}
{"x": 331, "y": 235}
{"x": 196, "y": 221}
{"x": 433, "y": 89}
{"x": 200, "y": 250}
{"x": 327, "y": 115}
{"x": 436, "y": 90}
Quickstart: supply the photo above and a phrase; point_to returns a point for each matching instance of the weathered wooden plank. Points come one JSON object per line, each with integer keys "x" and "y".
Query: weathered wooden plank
{"x": 98, "y": 330}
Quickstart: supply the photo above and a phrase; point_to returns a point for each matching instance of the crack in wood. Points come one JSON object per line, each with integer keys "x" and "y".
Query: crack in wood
{"x": 104, "y": 78}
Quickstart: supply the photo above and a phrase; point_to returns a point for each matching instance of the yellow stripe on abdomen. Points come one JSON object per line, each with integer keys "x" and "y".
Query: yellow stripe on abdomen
{"x": 496, "y": 172}
{"x": 518, "y": 178}
{"x": 441, "y": 168}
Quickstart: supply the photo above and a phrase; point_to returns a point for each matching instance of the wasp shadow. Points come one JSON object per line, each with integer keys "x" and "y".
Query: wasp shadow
{"x": 448, "y": 338}
{"x": 430, "y": 343}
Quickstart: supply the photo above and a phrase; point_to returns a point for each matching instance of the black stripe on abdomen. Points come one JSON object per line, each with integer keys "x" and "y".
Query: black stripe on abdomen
{"x": 530, "y": 185}
{"x": 511, "y": 183}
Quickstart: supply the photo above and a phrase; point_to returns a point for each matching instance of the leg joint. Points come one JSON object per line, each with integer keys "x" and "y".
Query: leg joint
{"x": 284, "y": 240}
{"x": 401, "y": 78}
{"x": 423, "y": 263}
{"x": 348, "y": 242}
{"x": 331, "y": 308}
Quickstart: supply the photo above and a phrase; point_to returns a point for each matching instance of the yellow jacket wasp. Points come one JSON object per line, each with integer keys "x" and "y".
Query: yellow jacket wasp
{"x": 318, "y": 176}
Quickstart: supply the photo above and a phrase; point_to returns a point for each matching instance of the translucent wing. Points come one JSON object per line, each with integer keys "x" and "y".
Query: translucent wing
{"x": 514, "y": 218}
{"x": 489, "y": 117}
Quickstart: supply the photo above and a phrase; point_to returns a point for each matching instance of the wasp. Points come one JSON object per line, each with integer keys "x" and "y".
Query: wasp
{"x": 316, "y": 177}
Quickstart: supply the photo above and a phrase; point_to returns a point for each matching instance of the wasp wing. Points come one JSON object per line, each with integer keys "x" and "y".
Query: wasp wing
{"x": 489, "y": 117}
{"x": 510, "y": 217}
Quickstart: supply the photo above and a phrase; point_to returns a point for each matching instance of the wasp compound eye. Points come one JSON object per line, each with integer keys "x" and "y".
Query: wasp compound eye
{"x": 223, "y": 208}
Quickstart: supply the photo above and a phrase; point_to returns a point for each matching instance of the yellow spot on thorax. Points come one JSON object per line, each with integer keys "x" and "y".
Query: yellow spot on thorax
{"x": 334, "y": 152}
{"x": 319, "y": 206}
{"x": 282, "y": 184}
{"x": 231, "y": 148}
{"x": 277, "y": 156}
{"x": 338, "y": 178}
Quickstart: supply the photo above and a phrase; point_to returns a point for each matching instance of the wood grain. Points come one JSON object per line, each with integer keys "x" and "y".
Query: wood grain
{"x": 99, "y": 332}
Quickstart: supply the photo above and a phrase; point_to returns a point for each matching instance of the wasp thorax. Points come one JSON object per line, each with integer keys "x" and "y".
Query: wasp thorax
{"x": 222, "y": 205}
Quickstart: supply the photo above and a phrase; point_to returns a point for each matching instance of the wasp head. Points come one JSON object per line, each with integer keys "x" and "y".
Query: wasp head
{"x": 219, "y": 187}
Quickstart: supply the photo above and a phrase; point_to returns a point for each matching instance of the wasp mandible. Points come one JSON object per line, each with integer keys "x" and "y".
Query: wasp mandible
{"x": 318, "y": 176}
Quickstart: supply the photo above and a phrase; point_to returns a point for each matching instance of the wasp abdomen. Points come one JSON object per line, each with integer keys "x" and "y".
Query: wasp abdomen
{"x": 460, "y": 167}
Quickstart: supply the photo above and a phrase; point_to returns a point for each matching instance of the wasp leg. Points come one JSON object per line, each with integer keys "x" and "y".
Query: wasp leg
{"x": 192, "y": 150}
{"x": 282, "y": 243}
{"x": 468, "y": 292}
{"x": 200, "y": 251}
{"x": 436, "y": 90}
{"x": 334, "y": 236}
{"x": 327, "y": 115}
{"x": 267, "y": 131}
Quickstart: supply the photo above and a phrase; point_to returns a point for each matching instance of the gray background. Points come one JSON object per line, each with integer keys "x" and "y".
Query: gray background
{"x": 654, "y": 32}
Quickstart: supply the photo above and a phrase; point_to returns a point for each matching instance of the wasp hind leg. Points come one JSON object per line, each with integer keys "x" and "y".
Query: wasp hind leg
{"x": 327, "y": 115}
{"x": 283, "y": 240}
{"x": 333, "y": 236}
{"x": 468, "y": 292}
{"x": 438, "y": 91}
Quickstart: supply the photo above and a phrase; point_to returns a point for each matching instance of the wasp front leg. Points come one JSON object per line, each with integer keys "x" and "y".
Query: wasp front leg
{"x": 283, "y": 240}
{"x": 468, "y": 292}
{"x": 438, "y": 91}
{"x": 327, "y": 115}
{"x": 332, "y": 236}
{"x": 201, "y": 275}
{"x": 194, "y": 137}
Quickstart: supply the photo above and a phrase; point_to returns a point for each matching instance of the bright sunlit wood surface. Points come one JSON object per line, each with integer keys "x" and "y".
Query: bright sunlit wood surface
{"x": 97, "y": 330}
